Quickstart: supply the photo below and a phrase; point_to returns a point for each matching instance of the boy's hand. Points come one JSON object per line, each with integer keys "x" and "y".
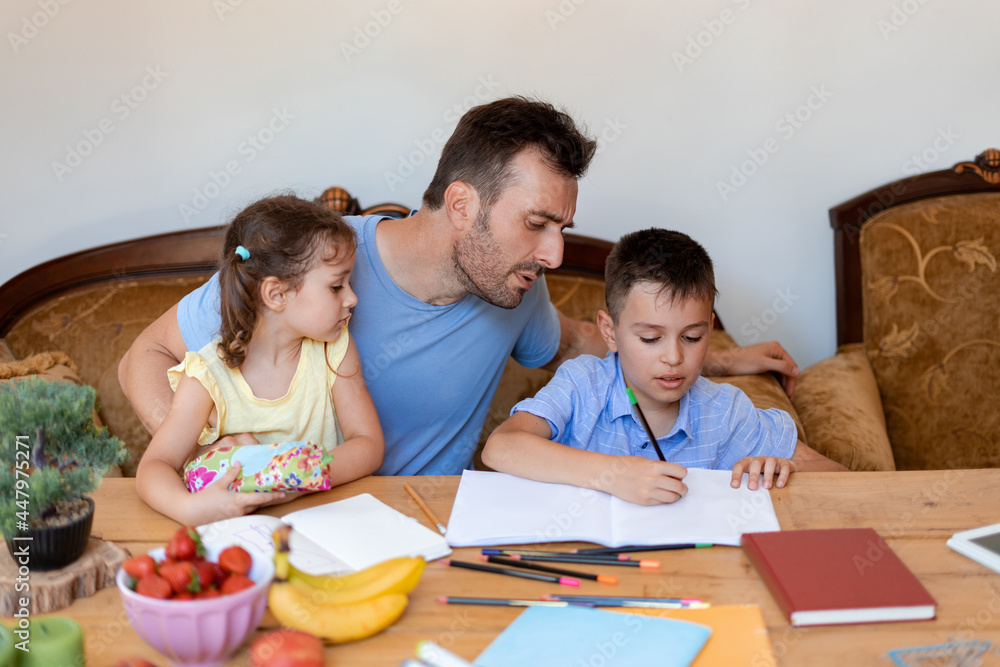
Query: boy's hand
{"x": 766, "y": 465}
{"x": 645, "y": 482}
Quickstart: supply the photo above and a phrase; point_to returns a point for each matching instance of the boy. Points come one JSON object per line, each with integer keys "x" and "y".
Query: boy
{"x": 659, "y": 288}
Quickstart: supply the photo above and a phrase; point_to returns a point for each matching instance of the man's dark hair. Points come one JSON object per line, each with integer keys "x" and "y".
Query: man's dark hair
{"x": 672, "y": 260}
{"x": 489, "y": 136}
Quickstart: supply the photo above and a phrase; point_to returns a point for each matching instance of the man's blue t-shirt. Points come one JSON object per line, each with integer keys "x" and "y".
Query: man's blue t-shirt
{"x": 432, "y": 370}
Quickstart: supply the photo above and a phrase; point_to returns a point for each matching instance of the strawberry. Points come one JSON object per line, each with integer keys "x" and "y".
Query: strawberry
{"x": 236, "y": 583}
{"x": 185, "y": 544}
{"x": 207, "y": 593}
{"x": 235, "y": 560}
{"x": 138, "y": 567}
{"x": 209, "y": 573}
{"x": 181, "y": 576}
{"x": 153, "y": 586}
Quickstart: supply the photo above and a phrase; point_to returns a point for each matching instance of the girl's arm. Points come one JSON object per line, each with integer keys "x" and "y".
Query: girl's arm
{"x": 158, "y": 478}
{"x": 364, "y": 445}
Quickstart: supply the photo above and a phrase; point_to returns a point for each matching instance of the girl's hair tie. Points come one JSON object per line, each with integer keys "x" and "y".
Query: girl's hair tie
{"x": 243, "y": 253}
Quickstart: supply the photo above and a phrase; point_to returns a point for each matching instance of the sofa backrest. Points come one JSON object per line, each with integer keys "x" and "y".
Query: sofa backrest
{"x": 932, "y": 328}
{"x": 918, "y": 288}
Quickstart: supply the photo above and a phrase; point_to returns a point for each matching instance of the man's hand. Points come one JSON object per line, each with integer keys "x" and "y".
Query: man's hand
{"x": 753, "y": 359}
{"x": 766, "y": 465}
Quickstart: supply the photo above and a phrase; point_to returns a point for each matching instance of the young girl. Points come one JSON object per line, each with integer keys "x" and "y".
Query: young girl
{"x": 283, "y": 368}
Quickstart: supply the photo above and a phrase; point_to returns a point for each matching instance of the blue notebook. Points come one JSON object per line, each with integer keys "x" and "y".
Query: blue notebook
{"x": 574, "y": 636}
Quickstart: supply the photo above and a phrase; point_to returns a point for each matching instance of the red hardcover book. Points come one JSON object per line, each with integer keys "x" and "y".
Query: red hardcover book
{"x": 843, "y": 575}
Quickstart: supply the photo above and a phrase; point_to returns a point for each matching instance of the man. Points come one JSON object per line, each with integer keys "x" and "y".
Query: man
{"x": 448, "y": 294}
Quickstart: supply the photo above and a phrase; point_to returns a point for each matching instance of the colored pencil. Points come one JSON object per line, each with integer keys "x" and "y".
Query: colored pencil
{"x": 427, "y": 510}
{"x": 634, "y": 603}
{"x": 537, "y": 552}
{"x": 600, "y": 578}
{"x": 503, "y": 602}
{"x": 644, "y": 564}
{"x": 614, "y": 600}
{"x": 565, "y": 581}
{"x": 645, "y": 424}
{"x": 611, "y": 551}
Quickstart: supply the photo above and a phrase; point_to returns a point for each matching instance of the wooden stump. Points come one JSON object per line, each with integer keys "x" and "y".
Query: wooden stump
{"x": 55, "y": 589}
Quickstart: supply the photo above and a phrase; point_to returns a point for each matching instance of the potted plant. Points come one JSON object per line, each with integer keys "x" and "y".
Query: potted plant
{"x": 53, "y": 455}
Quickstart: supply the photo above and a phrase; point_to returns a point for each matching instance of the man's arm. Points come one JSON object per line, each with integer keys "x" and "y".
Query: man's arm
{"x": 142, "y": 372}
{"x": 753, "y": 359}
{"x": 576, "y": 337}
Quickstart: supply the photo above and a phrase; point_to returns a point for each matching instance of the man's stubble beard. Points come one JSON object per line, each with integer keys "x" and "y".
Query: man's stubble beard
{"x": 477, "y": 260}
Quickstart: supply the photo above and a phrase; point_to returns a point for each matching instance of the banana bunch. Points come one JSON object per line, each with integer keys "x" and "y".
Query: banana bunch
{"x": 340, "y": 608}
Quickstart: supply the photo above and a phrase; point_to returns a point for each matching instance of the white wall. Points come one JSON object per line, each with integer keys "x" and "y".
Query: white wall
{"x": 887, "y": 79}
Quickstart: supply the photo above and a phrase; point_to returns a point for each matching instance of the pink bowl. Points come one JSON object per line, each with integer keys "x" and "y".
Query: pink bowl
{"x": 198, "y": 633}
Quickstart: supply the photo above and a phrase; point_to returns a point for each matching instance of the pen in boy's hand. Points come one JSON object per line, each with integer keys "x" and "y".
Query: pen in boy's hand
{"x": 645, "y": 424}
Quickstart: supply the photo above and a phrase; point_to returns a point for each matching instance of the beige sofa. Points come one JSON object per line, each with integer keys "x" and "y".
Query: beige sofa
{"x": 917, "y": 374}
{"x": 88, "y": 307}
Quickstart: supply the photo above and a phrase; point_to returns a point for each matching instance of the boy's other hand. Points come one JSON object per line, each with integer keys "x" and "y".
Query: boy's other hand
{"x": 769, "y": 466}
{"x": 646, "y": 482}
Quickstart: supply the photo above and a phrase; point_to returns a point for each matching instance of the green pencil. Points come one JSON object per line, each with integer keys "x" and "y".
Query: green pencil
{"x": 645, "y": 424}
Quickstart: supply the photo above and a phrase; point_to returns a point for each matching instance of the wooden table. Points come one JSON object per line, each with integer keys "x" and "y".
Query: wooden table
{"x": 914, "y": 511}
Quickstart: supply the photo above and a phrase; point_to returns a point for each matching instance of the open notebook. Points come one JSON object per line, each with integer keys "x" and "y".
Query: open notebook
{"x": 492, "y": 508}
{"x": 342, "y": 536}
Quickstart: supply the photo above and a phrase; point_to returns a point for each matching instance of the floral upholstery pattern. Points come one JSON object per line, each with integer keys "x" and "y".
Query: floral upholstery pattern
{"x": 932, "y": 328}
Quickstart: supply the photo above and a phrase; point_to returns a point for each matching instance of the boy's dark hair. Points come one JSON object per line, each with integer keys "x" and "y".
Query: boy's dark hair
{"x": 672, "y": 260}
{"x": 489, "y": 136}
{"x": 283, "y": 235}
